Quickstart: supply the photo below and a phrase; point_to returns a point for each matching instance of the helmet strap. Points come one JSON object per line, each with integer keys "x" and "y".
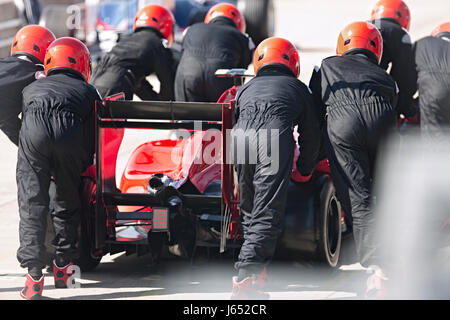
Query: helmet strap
{"x": 27, "y": 57}
{"x": 224, "y": 20}
{"x": 66, "y": 71}
{"x": 390, "y": 19}
{"x": 444, "y": 36}
{"x": 275, "y": 67}
{"x": 367, "y": 53}
{"x": 24, "y": 57}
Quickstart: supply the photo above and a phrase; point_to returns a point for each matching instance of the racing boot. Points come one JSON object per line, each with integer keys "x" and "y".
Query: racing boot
{"x": 260, "y": 279}
{"x": 250, "y": 288}
{"x": 62, "y": 274}
{"x": 33, "y": 288}
{"x": 376, "y": 286}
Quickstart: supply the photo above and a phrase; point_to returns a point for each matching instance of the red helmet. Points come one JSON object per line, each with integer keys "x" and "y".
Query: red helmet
{"x": 32, "y": 41}
{"x": 157, "y": 17}
{"x": 442, "y": 29}
{"x": 226, "y": 10}
{"x": 68, "y": 53}
{"x": 277, "y": 51}
{"x": 361, "y": 37}
{"x": 394, "y": 9}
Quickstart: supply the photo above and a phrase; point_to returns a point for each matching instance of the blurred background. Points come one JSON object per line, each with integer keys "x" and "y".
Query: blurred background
{"x": 313, "y": 25}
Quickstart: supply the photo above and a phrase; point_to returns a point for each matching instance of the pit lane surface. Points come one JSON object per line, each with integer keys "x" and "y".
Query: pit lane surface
{"x": 313, "y": 26}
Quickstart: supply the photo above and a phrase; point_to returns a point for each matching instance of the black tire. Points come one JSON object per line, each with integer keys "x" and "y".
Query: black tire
{"x": 55, "y": 17}
{"x": 88, "y": 259}
{"x": 330, "y": 228}
{"x": 259, "y": 18}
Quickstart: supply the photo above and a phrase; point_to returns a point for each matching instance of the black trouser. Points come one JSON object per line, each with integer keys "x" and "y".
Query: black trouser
{"x": 50, "y": 145}
{"x": 355, "y": 133}
{"x": 113, "y": 80}
{"x": 263, "y": 194}
{"x": 196, "y": 82}
{"x": 435, "y": 118}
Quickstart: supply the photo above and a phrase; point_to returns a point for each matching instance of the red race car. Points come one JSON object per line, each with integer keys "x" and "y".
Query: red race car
{"x": 181, "y": 191}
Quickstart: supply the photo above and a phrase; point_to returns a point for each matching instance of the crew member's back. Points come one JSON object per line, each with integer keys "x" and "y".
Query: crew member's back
{"x": 217, "y": 44}
{"x": 432, "y": 55}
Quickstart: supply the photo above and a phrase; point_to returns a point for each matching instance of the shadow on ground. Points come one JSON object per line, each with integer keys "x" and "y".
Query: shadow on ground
{"x": 210, "y": 277}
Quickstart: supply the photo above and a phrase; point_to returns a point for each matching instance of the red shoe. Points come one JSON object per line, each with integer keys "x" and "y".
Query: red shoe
{"x": 260, "y": 279}
{"x": 33, "y": 289}
{"x": 250, "y": 288}
{"x": 376, "y": 288}
{"x": 61, "y": 275}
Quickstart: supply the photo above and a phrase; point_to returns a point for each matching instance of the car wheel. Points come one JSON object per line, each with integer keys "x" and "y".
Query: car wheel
{"x": 259, "y": 18}
{"x": 330, "y": 228}
{"x": 89, "y": 258}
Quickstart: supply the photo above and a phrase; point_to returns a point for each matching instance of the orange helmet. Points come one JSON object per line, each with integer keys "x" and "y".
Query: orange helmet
{"x": 360, "y": 37}
{"x": 394, "y": 9}
{"x": 157, "y": 17}
{"x": 276, "y": 51}
{"x": 229, "y": 11}
{"x": 32, "y": 41}
{"x": 68, "y": 53}
{"x": 442, "y": 29}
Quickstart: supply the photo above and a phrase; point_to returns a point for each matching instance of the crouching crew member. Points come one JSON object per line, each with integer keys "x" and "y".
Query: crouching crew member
{"x": 144, "y": 52}
{"x": 393, "y": 18}
{"x": 56, "y": 139}
{"x": 25, "y": 65}
{"x": 360, "y": 99}
{"x": 219, "y": 43}
{"x": 432, "y": 55}
{"x": 268, "y": 108}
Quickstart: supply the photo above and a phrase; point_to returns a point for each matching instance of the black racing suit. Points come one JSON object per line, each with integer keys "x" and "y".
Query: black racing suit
{"x": 433, "y": 66}
{"x": 132, "y": 59}
{"x": 268, "y": 107}
{"x": 56, "y": 139}
{"x": 397, "y": 52}
{"x": 206, "y": 48}
{"x": 15, "y": 74}
{"x": 360, "y": 99}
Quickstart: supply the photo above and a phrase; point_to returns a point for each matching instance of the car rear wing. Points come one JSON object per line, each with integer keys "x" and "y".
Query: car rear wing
{"x": 238, "y": 75}
{"x": 113, "y": 117}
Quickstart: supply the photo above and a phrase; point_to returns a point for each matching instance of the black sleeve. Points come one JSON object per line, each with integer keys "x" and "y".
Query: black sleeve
{"x": 404, "y": 72}
{"x": 20, "y": 74}
{"x": 165, "y": 71}
{"x": 176, "y": 57}
{"x": 10, "y": 124}
{"x": 237, "y": 109}
{"x": 315, "y": 85}
{"x": 247, "y": 54}
{"x": 89, "y": 128}
{"x": 309, "y": 139}
{"x": 144, "y": 90}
